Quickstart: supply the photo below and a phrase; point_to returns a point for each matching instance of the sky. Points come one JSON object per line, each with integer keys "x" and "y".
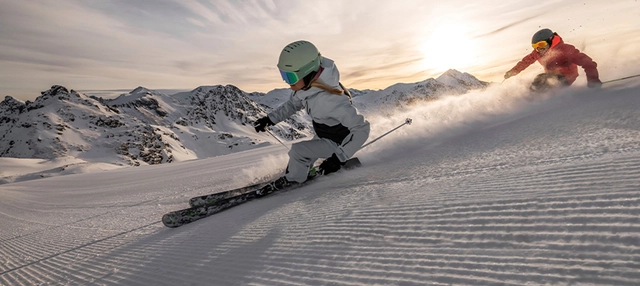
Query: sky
{"x": 183, "y": 44}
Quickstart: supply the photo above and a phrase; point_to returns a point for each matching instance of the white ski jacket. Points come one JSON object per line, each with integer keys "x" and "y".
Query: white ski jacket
{"x": 334, "y": 116}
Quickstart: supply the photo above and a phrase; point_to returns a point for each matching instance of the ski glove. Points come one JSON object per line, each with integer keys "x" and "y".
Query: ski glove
{"x": 509, "y": 74}
{"x": 330, "y": 165}
{"x": 261, "y": 124}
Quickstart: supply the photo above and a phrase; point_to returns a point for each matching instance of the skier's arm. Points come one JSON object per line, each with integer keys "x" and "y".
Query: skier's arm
{"x": 285, "y": 110}
{"x": 523, "y": 64}
{"x": 581, "y": 59}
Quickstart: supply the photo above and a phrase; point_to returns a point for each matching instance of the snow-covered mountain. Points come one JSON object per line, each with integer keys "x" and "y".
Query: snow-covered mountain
{"x": 141, "y": 127}
{"x": 387, "y": 100}
{"x": 149, "y": 127}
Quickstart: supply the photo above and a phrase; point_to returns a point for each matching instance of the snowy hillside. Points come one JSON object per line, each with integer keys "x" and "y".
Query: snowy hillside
{"x": 141, "y": 127}
{"x": 398, "y": 95}
{"x": 493, "y": 187}
{"x": 77, "y": 133}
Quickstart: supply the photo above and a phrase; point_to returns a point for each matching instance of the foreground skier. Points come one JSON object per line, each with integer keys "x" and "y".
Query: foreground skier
{"x": 340, "y": 130}
{"x": 559, "y": 60}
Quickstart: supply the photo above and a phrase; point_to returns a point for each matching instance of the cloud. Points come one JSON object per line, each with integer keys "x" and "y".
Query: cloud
{"x": 391, "y": 71}
{"x": 182, "y": 43}
{"x": 507, "y": 26}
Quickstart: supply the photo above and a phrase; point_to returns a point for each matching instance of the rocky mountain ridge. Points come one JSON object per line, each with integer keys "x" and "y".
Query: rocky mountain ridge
{"x": 148, "y": 127}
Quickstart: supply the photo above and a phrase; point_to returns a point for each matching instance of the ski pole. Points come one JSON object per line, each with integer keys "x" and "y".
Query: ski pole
{"x": 406, "y": 122}
{"x": 274, "y": 136}
{"x": 621, "y": 78}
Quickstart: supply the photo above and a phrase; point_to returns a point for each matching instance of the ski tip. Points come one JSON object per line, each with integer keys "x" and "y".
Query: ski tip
{"x": 170, "y": 220}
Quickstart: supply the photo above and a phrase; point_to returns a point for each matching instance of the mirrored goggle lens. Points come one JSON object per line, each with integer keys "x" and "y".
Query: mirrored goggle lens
{"x": 541, "y": 45}
{"x": 289, "y": 77}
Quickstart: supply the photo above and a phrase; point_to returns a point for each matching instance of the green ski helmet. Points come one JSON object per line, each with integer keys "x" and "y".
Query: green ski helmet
{"x": 297, "y": 60}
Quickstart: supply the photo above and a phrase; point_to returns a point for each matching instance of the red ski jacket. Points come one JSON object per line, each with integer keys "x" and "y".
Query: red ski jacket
{"x": 561, "y": 59}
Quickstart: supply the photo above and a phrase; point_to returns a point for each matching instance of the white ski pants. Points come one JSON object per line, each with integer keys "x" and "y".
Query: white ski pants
{"x": 303, "y": 154}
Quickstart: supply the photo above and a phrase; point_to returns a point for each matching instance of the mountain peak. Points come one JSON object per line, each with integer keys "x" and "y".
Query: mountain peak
{"x": 55, "y": 90}
{"x": 452, "y": 72}
{"x": 9, "y": 100}
{"x": 139, "y": 95}
{"x": 453, "y": 77}
{"x": 218, "y": 87}
{"x": 140, "y": 89}
{"x": 11, "y": 105}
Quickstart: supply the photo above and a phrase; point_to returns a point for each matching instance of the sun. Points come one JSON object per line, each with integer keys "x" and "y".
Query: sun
{"x": 447, "y": 47}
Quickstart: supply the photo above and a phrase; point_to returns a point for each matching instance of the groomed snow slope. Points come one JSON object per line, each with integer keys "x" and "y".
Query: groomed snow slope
{"x": 489, "y": 188}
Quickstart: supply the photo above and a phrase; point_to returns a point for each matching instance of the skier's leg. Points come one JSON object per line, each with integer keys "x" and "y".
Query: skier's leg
{"x": 303, "y": 154}
{"x": 540, "y": 83}
{"x": 562, "y": 81}
{"x": 546, "y": 81}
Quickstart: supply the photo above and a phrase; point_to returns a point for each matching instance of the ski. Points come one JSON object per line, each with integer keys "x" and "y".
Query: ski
{"x": 217, "y": 197}
{"x": 188, "y": 215}
{"x": 181, "y": 217}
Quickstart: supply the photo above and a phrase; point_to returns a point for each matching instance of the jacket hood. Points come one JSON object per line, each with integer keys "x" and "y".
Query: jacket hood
{"x": 330, "y": 76}
{"x": 556, "y": 41}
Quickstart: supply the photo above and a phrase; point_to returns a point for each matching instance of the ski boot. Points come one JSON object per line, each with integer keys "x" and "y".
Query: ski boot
{"x": 278, "y": 184}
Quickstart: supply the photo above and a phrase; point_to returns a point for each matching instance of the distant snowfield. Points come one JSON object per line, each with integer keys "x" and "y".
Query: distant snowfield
{"x": 15, "y": 169}
{"x": 493, "y": 187}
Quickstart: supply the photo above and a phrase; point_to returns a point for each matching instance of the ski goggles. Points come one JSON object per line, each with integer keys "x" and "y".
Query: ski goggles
{"x": 541, "y": 45}
{"x": 289, "y": 77}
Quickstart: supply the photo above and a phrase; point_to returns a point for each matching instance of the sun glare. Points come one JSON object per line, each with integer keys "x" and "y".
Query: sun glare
{"x": 447, "y": 47}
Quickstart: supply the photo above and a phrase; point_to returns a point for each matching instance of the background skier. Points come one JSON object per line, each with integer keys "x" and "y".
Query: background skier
{"x": 340, "y": 130}
{"x": 559, "y": 61}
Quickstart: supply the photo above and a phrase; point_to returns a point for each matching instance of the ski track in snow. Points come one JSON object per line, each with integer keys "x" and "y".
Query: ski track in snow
{"x": 552, "y": 198}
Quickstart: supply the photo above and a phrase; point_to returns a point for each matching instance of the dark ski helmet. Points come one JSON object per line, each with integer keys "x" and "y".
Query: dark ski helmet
{"x": 542, "y": 35}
